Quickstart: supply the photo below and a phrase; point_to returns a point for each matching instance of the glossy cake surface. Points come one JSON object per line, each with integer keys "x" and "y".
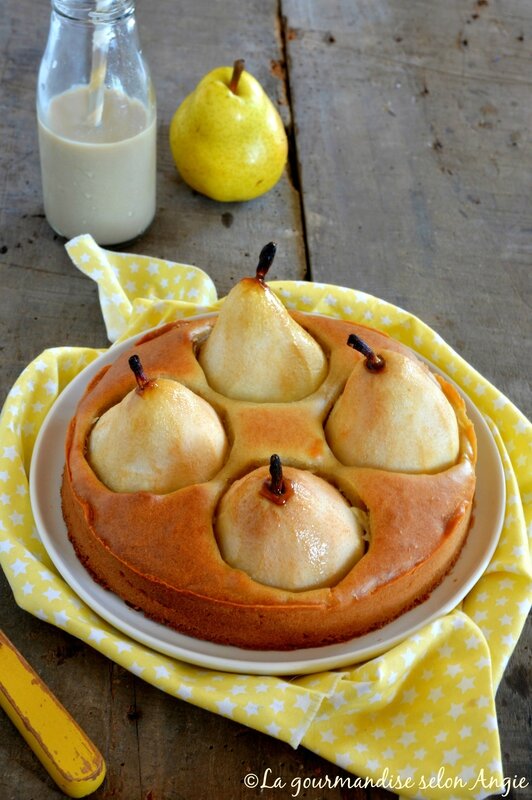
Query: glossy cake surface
{"x": 169, "y": 552}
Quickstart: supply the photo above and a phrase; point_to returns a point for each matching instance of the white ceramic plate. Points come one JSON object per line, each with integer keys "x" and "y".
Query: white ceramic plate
{"x": 45, "y": 482}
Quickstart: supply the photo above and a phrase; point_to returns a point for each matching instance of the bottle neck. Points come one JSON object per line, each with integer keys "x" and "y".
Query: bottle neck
{"x": 103, "y": 12}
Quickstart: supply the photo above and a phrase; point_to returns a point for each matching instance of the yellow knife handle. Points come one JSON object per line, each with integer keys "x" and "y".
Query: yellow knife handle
{"x": 56, "y": 739}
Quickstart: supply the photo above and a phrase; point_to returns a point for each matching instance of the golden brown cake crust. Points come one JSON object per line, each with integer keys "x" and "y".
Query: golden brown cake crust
{"x": 159, "y": 552}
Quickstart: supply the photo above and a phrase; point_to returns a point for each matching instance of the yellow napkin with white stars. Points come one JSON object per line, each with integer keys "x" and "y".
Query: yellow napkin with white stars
{"x": 419, "y": 720}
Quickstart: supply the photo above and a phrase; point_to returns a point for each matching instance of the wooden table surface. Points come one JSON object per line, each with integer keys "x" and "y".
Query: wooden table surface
{"x": 409, "y": 178}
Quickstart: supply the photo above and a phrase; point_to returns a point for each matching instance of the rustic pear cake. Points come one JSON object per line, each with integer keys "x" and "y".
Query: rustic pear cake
{"x": 269, "y": 479}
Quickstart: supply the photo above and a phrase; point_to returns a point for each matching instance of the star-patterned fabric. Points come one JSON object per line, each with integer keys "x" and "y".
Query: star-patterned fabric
{"x": 419, "y": 719}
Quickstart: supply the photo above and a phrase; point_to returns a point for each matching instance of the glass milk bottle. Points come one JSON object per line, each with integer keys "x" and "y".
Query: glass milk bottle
{"x": 96, "y": 117}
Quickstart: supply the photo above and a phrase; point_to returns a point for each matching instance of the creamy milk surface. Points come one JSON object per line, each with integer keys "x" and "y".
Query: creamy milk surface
{"x": 98, "y": 179}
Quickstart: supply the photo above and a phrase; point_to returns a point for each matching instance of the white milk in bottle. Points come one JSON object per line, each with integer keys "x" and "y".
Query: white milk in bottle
{"x": 98, "y": 179}
{"x": 96, "y": 117}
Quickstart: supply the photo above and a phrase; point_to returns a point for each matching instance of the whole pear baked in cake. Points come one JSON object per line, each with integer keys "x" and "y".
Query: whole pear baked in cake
{"x": 266, "y": 478}
{"x": 160, "y": 437}
{"x": 292, "y": 530}
{"x": 393, "y": 415}
{"x": 256, "y": 350}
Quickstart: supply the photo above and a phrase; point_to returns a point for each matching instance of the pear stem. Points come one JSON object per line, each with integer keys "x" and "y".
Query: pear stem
{"x": 138, "y": 371}
{"x": 267, "y": 254}
{"x": 373, "y": 362}
{"x": 277, "y": 490}
{"x": 276, "y": 473}
{"x": 238, "y": 69}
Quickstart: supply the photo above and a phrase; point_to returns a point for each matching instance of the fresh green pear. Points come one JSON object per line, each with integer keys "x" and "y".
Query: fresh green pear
{"x": 256, "y": 351}
{"x": 159, "y": 438}
{"x": 393, "y": 415}
{"x": 307, "y": 539}
{"x": 227, "y": 138}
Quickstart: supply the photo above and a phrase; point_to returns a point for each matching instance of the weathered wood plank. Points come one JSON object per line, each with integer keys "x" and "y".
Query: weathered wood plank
{"x": 224, "y": 239}
{"x": 412, "y": 120}
{"x": 45, "y": 302}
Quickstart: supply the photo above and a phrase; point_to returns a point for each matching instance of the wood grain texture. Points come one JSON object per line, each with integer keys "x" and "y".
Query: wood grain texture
{"x": 410, "y": 179}
{"x": 413, "y": 122}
